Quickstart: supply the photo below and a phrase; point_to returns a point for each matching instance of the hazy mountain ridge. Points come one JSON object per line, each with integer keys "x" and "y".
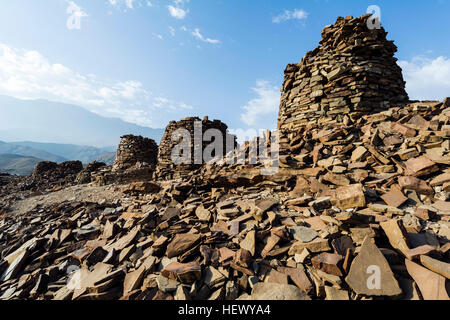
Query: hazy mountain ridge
{"x": 85, "y": 154}
{"x": 107, "y": 158}
{"x": 43, "y": 121}
{"x": 17, "y": 164}
{"x": 28, "y": 151}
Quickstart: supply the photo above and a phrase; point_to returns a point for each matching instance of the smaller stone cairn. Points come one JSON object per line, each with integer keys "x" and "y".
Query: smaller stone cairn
{"x": 133, "y": 150}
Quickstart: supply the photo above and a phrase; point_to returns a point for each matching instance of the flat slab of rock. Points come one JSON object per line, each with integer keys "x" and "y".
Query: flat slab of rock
{"x": 335, "y": 294}
{"x": 329, "y": 262}
{"x": 413, "y": 183}
{"x": 421, "y": 166}
{"x": 183, "y": 272}
{"x": 397, "y": 235}
{"x": 394, "y": 198}
{"x": 275, "y": 291}
{"x": 431, "y": 285}
{"x": 349, "y": 197}
{"x": 249, "y": 242}
{"x": 303, "y": 234}
{"x": 370, "y": 273}
{"x": 181, "y": 243}
{"x": 299, "y": 278}
{"x": 318, "y": 245}
{"x": 133, "y": 280}
{"x": 15, "y": 266}
{"x": 437, "y": 266}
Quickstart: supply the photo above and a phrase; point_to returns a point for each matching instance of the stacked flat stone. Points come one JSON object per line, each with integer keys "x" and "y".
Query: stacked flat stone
{"x": 133, "y": 150}
{"x": 166, "y": 168}
{"x": 353, "y": 72}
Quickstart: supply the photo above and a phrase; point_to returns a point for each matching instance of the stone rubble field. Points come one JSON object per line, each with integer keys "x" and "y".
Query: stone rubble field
{"x": 358, "y": 209}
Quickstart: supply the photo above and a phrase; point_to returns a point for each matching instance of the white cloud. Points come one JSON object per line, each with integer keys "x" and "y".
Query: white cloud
{"x": 129, "y": 4}
{"x": 297, "y": 14}
{"x": 177, "y": 12}
{"x": 265, "y": 104}
{"x": 196, "y": 33}
{"x": 426, "y": 78}
{"x": 29, "y": 75}
{"x": 172, "y": 31}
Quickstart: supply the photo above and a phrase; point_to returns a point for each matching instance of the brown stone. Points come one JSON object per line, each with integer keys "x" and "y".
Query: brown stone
{"x": 142, "y": 187}
{"x": 133, "y": 280}
{"x": 349, "y": 197}
{"x": 394, "y": 198}
{"x": 318, "y": 245}
{"x": 432, "y": 285}
{"x": 413, "y": 183}
{"x": 437, "y": 266}
{"x": 202, "y": 213}
{"x": 329, "y": 262}
{"x": 299, "y": 278}
{"x": 277, "y": 277}
{"x": 424, "y": 213}
{"x": 365, "y": 269}
{"x": 249, "y": 243}
{"x": 412, "y": 254}
{"x": 274, "y": 291}
{"x": 183, "y": 272}
{"x": 336, "y": 179}
{"x": 181, "y": 243}
{"x": 420, "y": 167}
{"x": 397, "y": 235}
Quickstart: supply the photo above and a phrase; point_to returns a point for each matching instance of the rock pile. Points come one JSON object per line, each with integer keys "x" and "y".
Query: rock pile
{"x": 353, "y": 72}
{"x": 371, "y": 197}
{"x": 86, "y": 175}
{"x": 166, "y": 167}
{"x": 133, "y": 150}
{"x": 47, "y": 173}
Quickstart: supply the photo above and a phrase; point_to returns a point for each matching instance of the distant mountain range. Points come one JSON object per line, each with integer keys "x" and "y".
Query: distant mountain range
{"x": 27, "y": 126}
{"x": 107, "y": 158}
{"x": 28, "y": 151}
{"x": 18, "y": 165}
{"x": 45, "y": 121}
{"x": 66, "y": 152}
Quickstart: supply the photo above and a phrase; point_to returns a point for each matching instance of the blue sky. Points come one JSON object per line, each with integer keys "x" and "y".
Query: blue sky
{"x": 149, "y": 62}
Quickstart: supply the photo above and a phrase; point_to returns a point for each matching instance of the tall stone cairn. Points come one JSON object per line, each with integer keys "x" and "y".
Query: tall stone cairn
{"x": 135, "y": 149}
{"x": 166, "y": 167}
{"x": 353, "y": 72}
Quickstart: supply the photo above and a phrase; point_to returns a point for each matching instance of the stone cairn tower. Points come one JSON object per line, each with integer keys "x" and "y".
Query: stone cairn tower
{"x": 166, "y": 168}
{"x": 135, "y": 150}
{"x": 353, "y": 72}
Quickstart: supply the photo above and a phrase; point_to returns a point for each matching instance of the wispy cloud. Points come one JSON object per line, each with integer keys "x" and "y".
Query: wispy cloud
{"x": 266, "y": 103}
{"x": 26, "y": 74}
{"x": 297, "y": 14}
{"x": 177, "y": 13}
{"x": 130, "y": 4}
{"x": 196, "y": 33}
{"x": 427, "y": 78}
